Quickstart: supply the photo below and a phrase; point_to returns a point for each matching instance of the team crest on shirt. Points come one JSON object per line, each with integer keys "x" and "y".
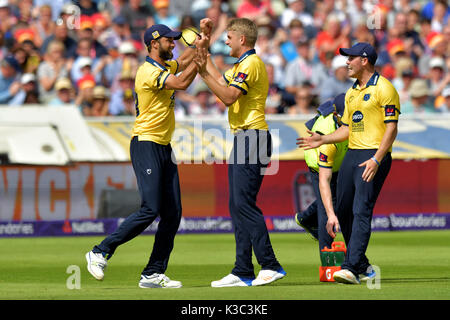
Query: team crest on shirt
{"x": 389, "y": 111}
{"x": 323, "y": 157}
{"x": 240, "y": 78}
{"x": 366, "y": 97}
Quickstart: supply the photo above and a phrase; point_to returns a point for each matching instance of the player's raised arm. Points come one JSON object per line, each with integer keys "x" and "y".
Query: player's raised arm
{"x": 315, "y": 140}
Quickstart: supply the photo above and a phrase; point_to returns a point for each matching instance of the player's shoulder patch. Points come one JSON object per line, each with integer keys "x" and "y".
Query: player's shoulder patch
{"x": 240, "y": 77}
{"x": 323, "y": 157}
{"x": 389, "y": 110}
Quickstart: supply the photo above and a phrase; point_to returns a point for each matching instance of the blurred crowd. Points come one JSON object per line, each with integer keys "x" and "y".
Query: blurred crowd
{"x": 86, "y": 52}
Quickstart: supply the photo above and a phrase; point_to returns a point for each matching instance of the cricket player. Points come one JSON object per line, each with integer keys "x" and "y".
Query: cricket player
{"x": 244, "y": 89}
{"x": 372, "y": 108}
{"x": 151, "y": 157}
{"x": 324, "y": 163}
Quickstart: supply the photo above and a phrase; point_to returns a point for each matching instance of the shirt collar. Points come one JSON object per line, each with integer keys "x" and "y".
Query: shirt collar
{"x": 245, "y": 55}
{"x": 155, "y": 63}
{"x": 372, "y": 81}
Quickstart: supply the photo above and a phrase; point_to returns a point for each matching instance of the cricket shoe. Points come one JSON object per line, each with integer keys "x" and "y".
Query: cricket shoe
{"x": 346, "y": 276}
{"x": 158, "y": 280}
{"x": 268, "y": 276}
{"x": 369, "y": 274}
{"x": 96, "y": 264}
{"x": 232, "y": 281}
{"x": 313, "y": 231}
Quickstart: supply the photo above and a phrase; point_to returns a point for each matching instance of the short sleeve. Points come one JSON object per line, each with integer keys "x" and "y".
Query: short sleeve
{"x": 327, "y": 153}
{"x": 345, "y": 117}
{"x": 390, "y": 103}
{"x": 241, "y": 76}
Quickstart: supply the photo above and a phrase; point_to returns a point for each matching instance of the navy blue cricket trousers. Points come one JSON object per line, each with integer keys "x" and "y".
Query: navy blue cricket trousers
{"x": 355, "y": 202}
{"x": 159, "y": 188}
{"x": 320, "y": 214}
{"x": 249, "y": 157}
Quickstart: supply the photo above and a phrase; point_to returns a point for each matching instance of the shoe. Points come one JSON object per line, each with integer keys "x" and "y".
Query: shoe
{"x": 268, "y": 276}
{"x": 232, "y": 281}
{"x": 96, "y": 264}
{"x": 313, "y": 231}
{"x": 346, "y": 276}
{"x": 369, "y": 274}
{"x": 158, "y": 280}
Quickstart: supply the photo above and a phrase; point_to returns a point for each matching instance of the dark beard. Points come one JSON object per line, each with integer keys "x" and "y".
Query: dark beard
{"x": 165, "y": 54}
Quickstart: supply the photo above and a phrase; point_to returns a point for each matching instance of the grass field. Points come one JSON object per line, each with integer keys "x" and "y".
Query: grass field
{"x": 414, "y": 265}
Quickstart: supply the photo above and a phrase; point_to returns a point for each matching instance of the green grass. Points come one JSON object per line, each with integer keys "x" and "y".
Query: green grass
{"x": 414, "y": 265}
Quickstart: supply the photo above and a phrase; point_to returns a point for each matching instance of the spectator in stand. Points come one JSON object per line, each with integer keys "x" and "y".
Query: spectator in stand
{"x": 85, "y": 87}
{"x": 253, "y": 9}
{"x": 33, "y": 56}
{"x": 338, "y": 82}
{"x": 28, "y": 93}
{"x": 441, "y": 13}
{"x": 127, "y": 101}
{"x": 22, "y": 58}
{"x": 53, "y": 66}
{"x": 64, "y": 93}
{"x": 23, "y": 12}
{"x": 278, "y": 100}
{"x": 86, "y": 57}
{"x": 268, "y": 51}
{"x": 86, "y": 32}
{"x": 162, "y": 15}
{"x": 44, "y": 26}
{"x": 404, "y": 71}
{"x": 443, "y": 105}
{"x": 9, "y": 79}
{"x": 138, "y": 16}
{"x": 288, "y": 40}
{"x": 126, "y": 61}
{"x": 99, "y": 105}
{"x": 332, "y": 37}
{"x": 56, "y": 6}
{"x": 303, "y": 101}
{"x": 7, "y": 20}
{"x": 303, "y": 70}
{"x": 323, "y": 10}
{"x": 61, "y": 34}
{"x": 117, "y": 33}
{"x": 297, "y": 10}
{"x": 357, "y": 14}
{"x": 420, "y": 101}
{"x": 87, "y": 7}
{"x": 204, "y": 103}
{"x": 126, "y": 83}
{"x": 437, "y": 47}
{"x": 218, "y": 34}
{"x": 437, "y": 76}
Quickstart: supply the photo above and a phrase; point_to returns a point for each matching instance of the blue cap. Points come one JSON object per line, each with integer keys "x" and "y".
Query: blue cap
{"x": 13, "y": 63}
{"x": 119, "y": 20}
{"x": 326, "y": 108}
{"x": 339, "y": 103}
{"x": 159, "y": 30}
{"x": 361, "y": 49}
